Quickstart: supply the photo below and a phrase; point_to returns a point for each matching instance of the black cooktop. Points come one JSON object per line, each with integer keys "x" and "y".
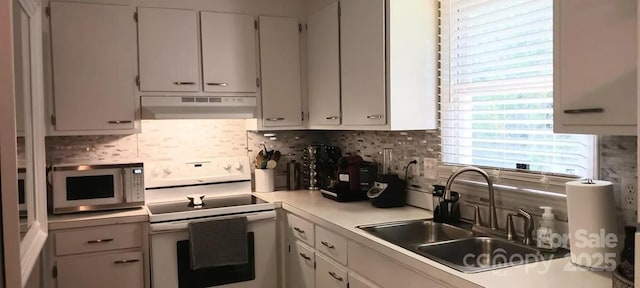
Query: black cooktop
{"x": 209, "y": 203}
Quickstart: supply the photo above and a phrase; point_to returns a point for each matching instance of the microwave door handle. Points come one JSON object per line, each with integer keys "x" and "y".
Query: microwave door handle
{"x": 124, "y": 185}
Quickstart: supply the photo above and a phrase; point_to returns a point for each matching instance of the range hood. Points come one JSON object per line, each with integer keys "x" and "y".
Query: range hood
{"x": 197, "y": 107}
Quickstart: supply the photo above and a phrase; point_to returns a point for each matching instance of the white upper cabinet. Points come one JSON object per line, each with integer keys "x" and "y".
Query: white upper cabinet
{"x": 387, "y": 65}
{"x": 228, "y": 52}
{"x": 168, "y": 53}
{"x": 323, "y": 66}
{"x": 94, "y": 67}
{"x": 280, "y": 69}
{"x": 595, "y": 66}
{"x": 362, "y": 47}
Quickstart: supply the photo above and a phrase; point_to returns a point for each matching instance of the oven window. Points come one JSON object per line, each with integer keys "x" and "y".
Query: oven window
{"x": 90, "y": 187}
{"x": 214, "y": 276}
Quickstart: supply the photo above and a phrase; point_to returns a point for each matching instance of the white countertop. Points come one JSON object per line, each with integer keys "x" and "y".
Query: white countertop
{"x": 89, "y": 219}
{"x": 344, "y": 217}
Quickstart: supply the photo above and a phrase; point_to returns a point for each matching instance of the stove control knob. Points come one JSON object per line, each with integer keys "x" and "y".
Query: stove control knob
{"x": 167, "y": 171}
{"x": 238, "y": 166}
{"x": 227, "y": 166}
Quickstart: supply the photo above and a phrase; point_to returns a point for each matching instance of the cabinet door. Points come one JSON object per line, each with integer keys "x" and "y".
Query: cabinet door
{"x": 168, "y": 40}
{"x": 122, "y": 270}
{"x": 595, "y": 65}
{"x": 356, "y": 281}
{"x": 362, "y": 50}
{"x": 300, "y": 267}
{"x": 228, "y": 52}
{"x": 280, "y": 69}
{"x": 323, "y": 66}
{"x": 94, "y": 54}
{"x": 330, "y": 275}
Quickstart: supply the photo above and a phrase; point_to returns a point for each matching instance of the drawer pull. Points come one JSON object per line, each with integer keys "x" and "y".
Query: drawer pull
{"x": 335, "y": 276}
{"x": 305, "y": 256}
{"x": 184, "y": 83}
{"x": 218, "y": 84}
{"x": 374, "y": 117}
{"x": 332, "y": 118}
{"x": 275, "y": 119}
{"x": 119, "y": 121}
{"x": 99, "y": 241}
{"x": 298, "y": 230}
{"x": 326, "y": 244}
{"x": 586, "y": 110}
{"x": 126, "y": 261}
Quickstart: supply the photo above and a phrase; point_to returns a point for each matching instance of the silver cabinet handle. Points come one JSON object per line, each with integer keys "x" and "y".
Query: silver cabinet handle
{"x": 298, "y": 229}
{"x": 305, "y": 256}
{"x": 184, "y": 83}
{"x": 119, "y": 121}
{"x": 335, "y": 276}
{"x": 275, "y": 119}
{"x": 586, "y": 110}
{"x": 99, "y": 241}
{"x": 126, "y": 261}
{"x": 374, "y": 117}
{"x": 218, "y": 84}
{"x": 326, "y": 244}
{"x": 332, "y": 118}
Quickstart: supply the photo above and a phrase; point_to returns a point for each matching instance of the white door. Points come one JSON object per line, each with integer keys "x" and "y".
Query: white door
{"x": 330, "y": 275}
{"x": 228, "y": 52}
{"x": 94, "y": 54}
{"x": 595, "y": 61}
{"x": 280, "y": 70}
{"x": 323, "y": 66}
{"x": 168, "y": 53}
{"x": 362, "y": 50}
{"x": 122, "y": 270}
{"x": 300, "y": 267}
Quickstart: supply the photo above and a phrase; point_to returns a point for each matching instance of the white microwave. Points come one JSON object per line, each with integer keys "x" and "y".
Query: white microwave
{"x": 77, "y": 188}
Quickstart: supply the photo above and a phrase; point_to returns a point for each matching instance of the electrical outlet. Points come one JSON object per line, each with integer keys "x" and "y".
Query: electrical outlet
{"x": 414, "y": 169}
{"x": 629, "y": 193}
{"x": 430, "y": 168}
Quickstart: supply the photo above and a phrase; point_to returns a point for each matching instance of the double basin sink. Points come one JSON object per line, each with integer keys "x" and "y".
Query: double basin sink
{"x": 456, "y": 247}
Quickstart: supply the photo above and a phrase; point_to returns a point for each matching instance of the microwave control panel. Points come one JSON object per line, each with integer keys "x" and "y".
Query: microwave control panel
{"x": 137, "y": 184}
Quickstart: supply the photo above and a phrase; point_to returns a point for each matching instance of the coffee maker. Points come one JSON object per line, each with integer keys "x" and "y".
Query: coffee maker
{"x": 348, "y": 185}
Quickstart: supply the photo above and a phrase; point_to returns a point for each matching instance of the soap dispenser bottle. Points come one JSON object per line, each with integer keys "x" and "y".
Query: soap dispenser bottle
{"x": 545, "y": 230}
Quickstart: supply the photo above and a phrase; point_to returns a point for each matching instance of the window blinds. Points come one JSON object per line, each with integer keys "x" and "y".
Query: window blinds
{"x": 496, "y": 84}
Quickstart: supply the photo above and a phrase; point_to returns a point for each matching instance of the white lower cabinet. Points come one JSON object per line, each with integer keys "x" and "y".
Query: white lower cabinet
{"x": 357, "y": 281}
{"x": 301, "y": 266}
{"x": 123, "y": 270}
{"x": 329, "y": 274}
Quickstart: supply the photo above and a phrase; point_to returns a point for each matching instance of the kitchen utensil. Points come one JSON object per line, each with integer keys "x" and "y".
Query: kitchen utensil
{"x": 293, "y": 175}
{"x": 271, "y": 164}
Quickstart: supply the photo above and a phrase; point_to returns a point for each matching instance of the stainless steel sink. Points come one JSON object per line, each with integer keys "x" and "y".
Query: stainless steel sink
{"x": 480, "y": 254}
{"x": 457, "y": 246}
{"x": 411, "y": 234}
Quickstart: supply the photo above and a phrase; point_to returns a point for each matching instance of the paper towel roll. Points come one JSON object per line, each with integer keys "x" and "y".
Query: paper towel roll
{"x": 592, "y": 224}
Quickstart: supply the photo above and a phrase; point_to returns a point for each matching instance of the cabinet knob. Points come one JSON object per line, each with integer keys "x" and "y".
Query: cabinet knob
{"x": 218, "y": 84}
{"x": 184, "y": 83}
{"x": 374, "y": 117}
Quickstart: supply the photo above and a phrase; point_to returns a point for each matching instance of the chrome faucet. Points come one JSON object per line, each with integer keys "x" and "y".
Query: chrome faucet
{"x": 493, "y": 218}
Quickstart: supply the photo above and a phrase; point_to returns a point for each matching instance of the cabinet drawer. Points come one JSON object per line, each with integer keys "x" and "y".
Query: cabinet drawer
{"x": 301, "y": 229}
{"x": 357, "y": 281}
{"x": 329, "y": 275}
{"x": 124, "y": 270}
{"x": 378, "y": 269}
{"x": 331, "y": 244}
{"x": 98, "y": 239}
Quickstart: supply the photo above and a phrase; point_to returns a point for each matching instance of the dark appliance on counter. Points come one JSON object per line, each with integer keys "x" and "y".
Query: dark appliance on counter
{"x": 368, "y": 175}
{"x": 348, "y": 188}
{"x": 320, "y": 166}
{"x": 388, "y": 191}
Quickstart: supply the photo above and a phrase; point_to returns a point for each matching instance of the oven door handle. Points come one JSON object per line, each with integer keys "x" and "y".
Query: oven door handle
{"x": 184, "y": 224}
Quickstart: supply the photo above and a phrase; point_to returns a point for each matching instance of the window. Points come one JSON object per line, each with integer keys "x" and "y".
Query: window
{"x": 497, "y": 89}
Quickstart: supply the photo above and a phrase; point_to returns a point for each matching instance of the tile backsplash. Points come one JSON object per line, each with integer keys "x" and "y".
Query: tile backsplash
{"x": 166, "y": 140}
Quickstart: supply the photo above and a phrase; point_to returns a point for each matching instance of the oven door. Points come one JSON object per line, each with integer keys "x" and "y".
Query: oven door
{"x": 170, "y": 266}
{"x": 82, "y": 190}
